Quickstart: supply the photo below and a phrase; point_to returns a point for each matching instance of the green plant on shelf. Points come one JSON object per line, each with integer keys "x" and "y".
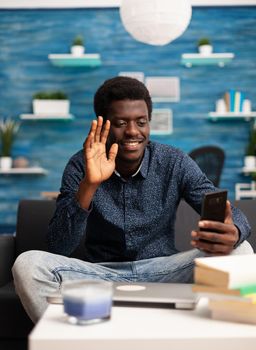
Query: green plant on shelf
{"x": 203, "y": 41}
{"x": 8, "y": 131}
{"x": 78, "y": 41}
{"x": 50, "y": 95}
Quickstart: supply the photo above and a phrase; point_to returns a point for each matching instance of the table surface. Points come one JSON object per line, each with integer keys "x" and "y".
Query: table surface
{"x": 133, "y": 328}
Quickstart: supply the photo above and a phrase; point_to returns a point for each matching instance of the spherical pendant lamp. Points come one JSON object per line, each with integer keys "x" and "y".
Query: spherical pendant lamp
{"x": 155, "y": 22}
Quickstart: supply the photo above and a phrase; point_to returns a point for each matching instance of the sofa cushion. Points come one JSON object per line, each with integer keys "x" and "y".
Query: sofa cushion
{"x": 14, "y": 322}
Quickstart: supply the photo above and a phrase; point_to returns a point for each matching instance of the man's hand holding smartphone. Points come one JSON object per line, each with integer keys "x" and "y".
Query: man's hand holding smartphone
{"x": 217, "y": 233}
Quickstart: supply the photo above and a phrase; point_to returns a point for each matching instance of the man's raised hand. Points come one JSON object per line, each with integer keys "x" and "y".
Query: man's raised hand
{"x": 99, "y": 165}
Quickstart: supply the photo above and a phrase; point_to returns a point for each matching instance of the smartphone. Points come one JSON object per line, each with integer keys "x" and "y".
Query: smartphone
{"x": 214, "y": 206}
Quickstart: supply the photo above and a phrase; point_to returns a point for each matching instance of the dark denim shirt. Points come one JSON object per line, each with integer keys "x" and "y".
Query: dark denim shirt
{"x": 133, "y": 219}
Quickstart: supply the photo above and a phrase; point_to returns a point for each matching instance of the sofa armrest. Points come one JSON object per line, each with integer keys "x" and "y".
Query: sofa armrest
{"x": 7, "y": 257}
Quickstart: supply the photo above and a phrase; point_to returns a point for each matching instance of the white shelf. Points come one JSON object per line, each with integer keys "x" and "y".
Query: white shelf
{"x": 24, "y": 171}
{"x": 231, "y": 115}
{"x": 197, "y": 59}
{"x": 248, "y": 171}
{"x": 86, "y": 60}
{"x": 38, "y": 117}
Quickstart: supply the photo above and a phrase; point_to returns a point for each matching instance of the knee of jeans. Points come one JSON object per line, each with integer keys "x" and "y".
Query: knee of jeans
{"x": 243, "y": 248}
{"x": 24, "y": 264}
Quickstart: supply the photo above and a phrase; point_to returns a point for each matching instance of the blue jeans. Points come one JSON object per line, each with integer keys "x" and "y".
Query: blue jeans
{"x": 38, "y": 273}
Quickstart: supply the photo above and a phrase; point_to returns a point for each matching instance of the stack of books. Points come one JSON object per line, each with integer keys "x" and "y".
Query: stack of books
{"x": 234, "y": 101}
{"x": 229, "y": 282}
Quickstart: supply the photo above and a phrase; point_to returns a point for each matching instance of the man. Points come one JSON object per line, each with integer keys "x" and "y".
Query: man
{"x": 122, "y": 191}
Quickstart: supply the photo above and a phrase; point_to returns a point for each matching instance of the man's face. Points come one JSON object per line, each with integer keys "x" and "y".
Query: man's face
{"x": 129, "y": 129}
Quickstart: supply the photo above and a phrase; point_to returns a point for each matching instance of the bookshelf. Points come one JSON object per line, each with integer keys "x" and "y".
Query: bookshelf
{"x": 197, "y": 59}
{"x": 24, "y": 171}
{"x": 214, "y": 116}
{"x": 40, "y": 117}
{"x": 90, "y": 60}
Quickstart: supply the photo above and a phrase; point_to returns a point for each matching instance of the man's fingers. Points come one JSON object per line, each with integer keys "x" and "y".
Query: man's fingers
{"x": 228, "y": 214}
{"x": 105, "y": 132}
{"x": 98, "y": 129}
{"x": 113, "y": 152}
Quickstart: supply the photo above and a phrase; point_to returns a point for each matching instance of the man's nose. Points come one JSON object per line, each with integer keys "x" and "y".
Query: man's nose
{"x": 131, "y": 128}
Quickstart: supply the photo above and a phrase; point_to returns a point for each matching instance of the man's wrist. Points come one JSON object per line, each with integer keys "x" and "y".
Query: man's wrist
{"x": 85, "y": 194}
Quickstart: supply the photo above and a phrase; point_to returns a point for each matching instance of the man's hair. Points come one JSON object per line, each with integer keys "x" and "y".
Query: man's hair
{"x": 117, "y": 89}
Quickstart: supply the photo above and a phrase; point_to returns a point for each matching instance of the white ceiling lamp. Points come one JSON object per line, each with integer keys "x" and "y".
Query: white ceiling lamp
{"x": 155, "y": 22}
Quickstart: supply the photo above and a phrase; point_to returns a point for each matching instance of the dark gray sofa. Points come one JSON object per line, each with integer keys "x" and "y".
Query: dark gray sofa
{"x": 32, "y": 221}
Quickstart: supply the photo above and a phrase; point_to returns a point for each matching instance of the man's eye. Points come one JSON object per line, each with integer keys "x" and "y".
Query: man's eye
{"x": 121, "y": 123}
{"x": 142, "y": 122}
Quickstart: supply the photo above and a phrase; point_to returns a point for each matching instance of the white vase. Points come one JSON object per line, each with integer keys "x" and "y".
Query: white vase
{"x": 77, "y": 50}
{"x": 5, "y": 163}
{"x": 250, "y": 162}
{"x": 221, "y": 106}
{"x": 51, "y": 107}
{"x": 205, "y": 49}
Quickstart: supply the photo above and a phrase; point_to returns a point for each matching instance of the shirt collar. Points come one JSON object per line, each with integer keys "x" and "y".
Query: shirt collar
{"x": 143, "y": 168}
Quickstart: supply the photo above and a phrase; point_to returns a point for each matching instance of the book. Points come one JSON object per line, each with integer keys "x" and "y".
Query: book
{"x": 232, "y": 100}
{"x": 221, "y": 292}
{"x": 237, "y": 102}
{"x": 229, "y": 271}
{"x": 241, "y": 101}
{"x": 243, "y": 310}
{"x": 227, "y": 101}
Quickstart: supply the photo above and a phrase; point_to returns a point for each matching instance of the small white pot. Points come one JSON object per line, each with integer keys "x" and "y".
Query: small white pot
{"x": 250, "y": 162}
{"x": 5, "y": 163}
{"x": 77, "y": 50}
{"x": 205, "y": 49}
{"x": 51, "y": 107}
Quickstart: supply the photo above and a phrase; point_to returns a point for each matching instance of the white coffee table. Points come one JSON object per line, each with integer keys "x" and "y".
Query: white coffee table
{"x": 142, "y": 328}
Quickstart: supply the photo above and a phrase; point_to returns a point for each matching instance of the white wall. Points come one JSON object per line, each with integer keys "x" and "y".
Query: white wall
{"x": 9, "y": 4}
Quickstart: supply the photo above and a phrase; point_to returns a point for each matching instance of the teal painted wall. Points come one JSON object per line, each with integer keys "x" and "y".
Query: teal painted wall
{"x": 28, "y": 36}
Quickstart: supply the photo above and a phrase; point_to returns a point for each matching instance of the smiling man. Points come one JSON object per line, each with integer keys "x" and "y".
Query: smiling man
{"x": 120, "y": 193}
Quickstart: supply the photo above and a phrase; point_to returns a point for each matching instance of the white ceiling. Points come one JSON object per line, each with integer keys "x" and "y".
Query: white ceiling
{"x": 10, "y": 4}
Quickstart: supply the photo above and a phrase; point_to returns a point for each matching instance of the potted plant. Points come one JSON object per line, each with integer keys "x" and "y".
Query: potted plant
{"x": 250, "y": 157}
{"x": 204, "y": 46}
{"x": 8, "y": 131}
{"x": 51, "y": 103}
{"x": 77, "y": 48}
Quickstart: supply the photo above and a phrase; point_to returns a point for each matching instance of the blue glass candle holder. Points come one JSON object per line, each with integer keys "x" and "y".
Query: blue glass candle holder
{"x": 87, "y": 301}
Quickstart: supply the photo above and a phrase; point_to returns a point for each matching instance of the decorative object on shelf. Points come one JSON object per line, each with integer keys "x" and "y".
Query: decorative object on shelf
{"x": 136, "y": 75}
{"x": 163, "y": 89}
{"x": 8, "y": 132}
{"x": 77, "y": 48}
{"x": 232, "y": 105}
{"x": 245, "y": 190}
{"x": 204, "y": 46}
{"x": 161, "y": 122}
{"x": 20, "y": 162}
{"x": 155, "y": 22}
{"x": 51, "y": 103}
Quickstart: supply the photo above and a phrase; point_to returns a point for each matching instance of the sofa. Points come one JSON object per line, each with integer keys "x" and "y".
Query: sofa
{"x": 32, "y": 221}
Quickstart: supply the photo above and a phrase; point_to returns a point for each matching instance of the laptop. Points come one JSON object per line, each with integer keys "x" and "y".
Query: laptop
{"x": 148, "y": 294}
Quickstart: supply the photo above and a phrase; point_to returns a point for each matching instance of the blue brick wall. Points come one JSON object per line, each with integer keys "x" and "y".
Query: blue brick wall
{"x": 28, "y": 36}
